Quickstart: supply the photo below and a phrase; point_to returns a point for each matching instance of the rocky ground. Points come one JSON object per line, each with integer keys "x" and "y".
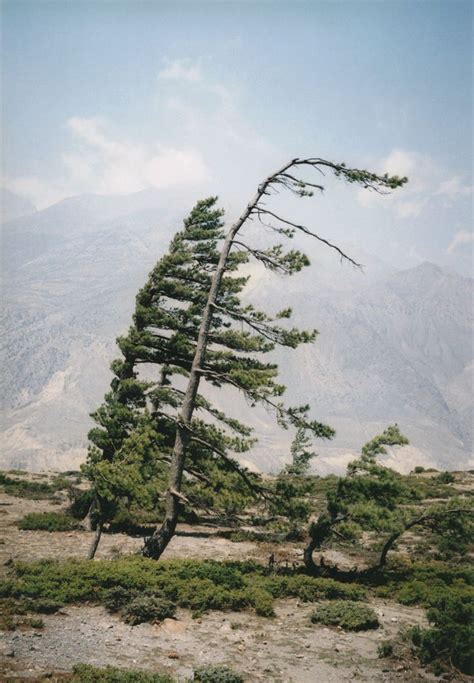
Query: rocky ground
{"x": 283, "y": 649}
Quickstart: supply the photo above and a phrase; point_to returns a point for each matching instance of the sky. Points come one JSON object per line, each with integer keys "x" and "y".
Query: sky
{"x": 112, "y": 97}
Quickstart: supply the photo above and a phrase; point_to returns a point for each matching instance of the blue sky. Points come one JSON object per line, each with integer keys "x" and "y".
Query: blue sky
{"x": 208, "y": 97}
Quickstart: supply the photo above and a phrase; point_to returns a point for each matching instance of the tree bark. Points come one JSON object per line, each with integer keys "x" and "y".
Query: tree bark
{"x": 157, "y": 543}
{"x": 95, "y": 543}
{"x": 387, "y": 546}
{"x": 318, "y": 533}
{"x": 418, "y": 520}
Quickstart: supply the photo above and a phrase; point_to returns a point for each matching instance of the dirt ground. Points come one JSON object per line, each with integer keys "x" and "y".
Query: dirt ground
{"x": 283, "y": 649}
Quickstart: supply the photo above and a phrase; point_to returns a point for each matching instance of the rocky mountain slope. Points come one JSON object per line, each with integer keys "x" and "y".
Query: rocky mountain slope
{"x": 392, "y": 346}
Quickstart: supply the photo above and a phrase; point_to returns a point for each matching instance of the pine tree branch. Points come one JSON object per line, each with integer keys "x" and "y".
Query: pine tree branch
{"x": 254, "y": 488}
{"x": 273, "y": 335}
{"x": 261, "y": 398}
{"x": 409, "y": 525}
{"x": 264, "y": 258}
{"x": 259, "y": 211}
{"x": 230, "y": 461}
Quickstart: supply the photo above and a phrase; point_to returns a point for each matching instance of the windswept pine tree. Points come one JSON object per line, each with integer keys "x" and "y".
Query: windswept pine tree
{"x": 132, "y": 445}
{"x": 191, "y": 323}
{"x": 375, "y": 499}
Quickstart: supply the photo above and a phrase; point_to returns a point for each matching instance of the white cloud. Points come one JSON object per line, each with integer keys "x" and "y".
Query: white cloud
{"x": 399, "y": 162}
{"x": 460, "y": 238}
{"x": 118, "y": 167}
{"x": 181, "y": 70}
{"x": 103, "y": 164}
{"x": 205, "y": 135}
{"x": 453, "y": 188}
{"x": 426, "y": 184}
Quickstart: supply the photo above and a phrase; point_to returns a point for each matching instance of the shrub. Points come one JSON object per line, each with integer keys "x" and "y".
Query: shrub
{"x": 85, "y": 673}
{"x": 445, "y": 478}
{"x": 36, "y": 622}
{"x": 263, "y": 603}
{"x": 27, "y": 489}
{"x": 148, "y": 608}
{"x": 118, "y": 597}
{"x": 351, "y": 616}
{"x": 196, "y": 585}
{"x": 7, "y": 623}
{"x": 217, "y": 674}
{"x": 419, "y": 469}
{"x": 451, "y": 638}
{"x": 47, "y": 521}
{"x": 44, "y": 606}
{"x": 385, "y": 649}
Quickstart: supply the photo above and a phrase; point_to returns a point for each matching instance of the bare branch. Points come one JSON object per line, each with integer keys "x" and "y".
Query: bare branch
{"x": 259, "y": 211}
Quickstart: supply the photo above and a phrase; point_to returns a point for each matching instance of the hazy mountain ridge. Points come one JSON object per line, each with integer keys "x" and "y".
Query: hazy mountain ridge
{"x": 391, "y": 348}
{"x": 12, "y": 206}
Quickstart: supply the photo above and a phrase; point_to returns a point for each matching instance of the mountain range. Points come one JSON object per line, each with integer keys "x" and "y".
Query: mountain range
{"x": 393, "y": 346}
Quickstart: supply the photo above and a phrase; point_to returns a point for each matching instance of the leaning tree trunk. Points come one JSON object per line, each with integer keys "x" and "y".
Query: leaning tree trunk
{"x": 95, "y": 542}
{"x": 92, "y": 522}
{"x": 318, "y": 532}
{"x": 156, "y": 544}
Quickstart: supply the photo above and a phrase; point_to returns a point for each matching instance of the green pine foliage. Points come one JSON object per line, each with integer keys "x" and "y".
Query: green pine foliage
{"x": 35, "y": 490}
{"x": 374, "y": 499}
{"x": 131, "y": 445}
{"x": 47, "y": 521}
{"x": 301, "y": 455}
{"x": 86, "y": 673}
{"x": 451, "y": 633}
{"x": 129, "y": 585}
{"x": 217, "y": 674}
{"x": 351, "y": 616}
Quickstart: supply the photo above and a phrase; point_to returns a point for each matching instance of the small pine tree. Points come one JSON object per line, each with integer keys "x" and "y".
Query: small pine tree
{"x": 300, "y": 455}
{"x": 376, "y": 499}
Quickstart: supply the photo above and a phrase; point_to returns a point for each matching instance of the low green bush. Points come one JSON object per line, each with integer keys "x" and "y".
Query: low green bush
{"x": 385, "y": 649}
{"x": 148, "y": 608}
{"x": 117, "y": 598}
{"x": 36, "y": 622}
{"x": 263, "y": 603}
{"x": 445, "y": 478}
{"x": 217, "y": 674}
{"x": 35, "y": 490}
{"x": 351, "y": 616}
{"x": 451, "y": 636}
{"x": 47, "y": 521}
{"x": 85, "y": 673}
{"x": 44, "y": 606}
{"x": 196, "y": 585}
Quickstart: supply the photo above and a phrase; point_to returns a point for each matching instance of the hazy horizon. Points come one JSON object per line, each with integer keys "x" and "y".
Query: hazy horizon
{"x": 207, "y": 98}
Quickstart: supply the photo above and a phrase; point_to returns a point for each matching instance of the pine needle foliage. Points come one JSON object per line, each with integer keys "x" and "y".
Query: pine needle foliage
{"x": 131, "y": 445}
{"x": 191, "y": 322}
{"x": 374, "y": 499}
